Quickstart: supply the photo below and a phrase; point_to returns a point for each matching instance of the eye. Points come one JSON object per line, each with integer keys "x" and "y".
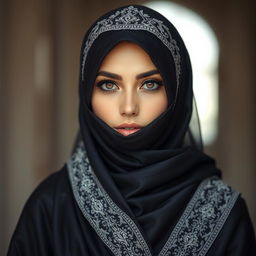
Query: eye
{"x": 107, "y": 85}
{"x": 151, "y": 85}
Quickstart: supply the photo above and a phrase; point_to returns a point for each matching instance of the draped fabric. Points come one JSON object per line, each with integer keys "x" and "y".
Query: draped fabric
{"x": 52, "y": 224}
{"x": 150, "y": 175}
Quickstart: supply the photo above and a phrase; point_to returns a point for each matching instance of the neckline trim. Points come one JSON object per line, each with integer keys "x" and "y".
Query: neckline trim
{"x": 194, "y": 233}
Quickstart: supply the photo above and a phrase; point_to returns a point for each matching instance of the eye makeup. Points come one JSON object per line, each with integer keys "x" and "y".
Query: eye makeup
{"x": 152, "y": 84}
{"x": 107, "y": 85}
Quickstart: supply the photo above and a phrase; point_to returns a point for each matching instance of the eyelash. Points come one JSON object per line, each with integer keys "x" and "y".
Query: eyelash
{"x": 157, "y": 84}
{"x": 103, "y": 83}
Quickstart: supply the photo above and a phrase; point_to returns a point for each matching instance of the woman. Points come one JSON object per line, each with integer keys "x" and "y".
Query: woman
{"x": 137, "y": 183}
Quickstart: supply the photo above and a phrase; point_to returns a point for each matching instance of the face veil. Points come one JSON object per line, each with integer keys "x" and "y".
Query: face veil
{"x": 150, "y": 174}
{"x": 168, "y": 53}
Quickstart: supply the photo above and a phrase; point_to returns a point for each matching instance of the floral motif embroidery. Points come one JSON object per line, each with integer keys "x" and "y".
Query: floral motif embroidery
{"x": 207, "y": 211}
{"x": 131, "y": 18}
{"x": 190, "y": 240}
{"x": 193, "y": 235}
{"x": 114, "y": 227}
{"x": 202, "y": 220}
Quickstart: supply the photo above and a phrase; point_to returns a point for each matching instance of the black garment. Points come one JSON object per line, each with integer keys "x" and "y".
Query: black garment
{"x": 142, "y": 172}
{"x": 52, "y": 224}
{"x": 149, "y": 177}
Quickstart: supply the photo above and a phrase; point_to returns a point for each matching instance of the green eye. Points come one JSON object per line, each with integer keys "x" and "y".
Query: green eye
{"x": 107, "y": 85}
{"x": 151, "y": 85}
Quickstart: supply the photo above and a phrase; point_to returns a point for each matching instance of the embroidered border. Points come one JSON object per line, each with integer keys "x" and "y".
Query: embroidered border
{"x": 115, "y": 228}
{"x": 193, "y": 235}
{"x": 131, "y": 18}
{"x": 202, "y": 219}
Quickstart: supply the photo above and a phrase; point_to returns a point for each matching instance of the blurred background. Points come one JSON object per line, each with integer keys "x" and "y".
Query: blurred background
{"x": 39, "y": 67}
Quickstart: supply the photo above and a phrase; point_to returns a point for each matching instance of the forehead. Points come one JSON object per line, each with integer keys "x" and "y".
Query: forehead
{"x": 129, "y": 55}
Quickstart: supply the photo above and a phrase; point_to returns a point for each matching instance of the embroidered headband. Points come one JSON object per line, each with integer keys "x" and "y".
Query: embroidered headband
{"x": 131, "y": 18}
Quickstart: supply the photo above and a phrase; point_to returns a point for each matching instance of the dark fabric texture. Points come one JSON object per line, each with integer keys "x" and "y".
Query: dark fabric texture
{"x": 51, "y": 224}
{"x": 151, "y": 175}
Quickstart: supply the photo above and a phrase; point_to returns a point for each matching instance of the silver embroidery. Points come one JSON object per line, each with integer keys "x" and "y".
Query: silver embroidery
{"x": 131, "y": 18}
{"x": 202, "y": 220}
{"x": 193, "y": 235}
{"x": 114, "y": 227}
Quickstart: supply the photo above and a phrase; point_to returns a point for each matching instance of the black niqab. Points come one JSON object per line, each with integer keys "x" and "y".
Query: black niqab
{"x": 150, "y": 174}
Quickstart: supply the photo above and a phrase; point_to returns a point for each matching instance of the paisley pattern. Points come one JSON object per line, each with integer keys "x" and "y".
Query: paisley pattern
{"x": 132, "y": 18}
{"x": 113, "y": 226}
{"x": 193, "y": 235}
{"x": 202, "y": 220}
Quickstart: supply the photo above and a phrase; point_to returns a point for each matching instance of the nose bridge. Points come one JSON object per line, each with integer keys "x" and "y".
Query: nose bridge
{"x": 129, "y": 104}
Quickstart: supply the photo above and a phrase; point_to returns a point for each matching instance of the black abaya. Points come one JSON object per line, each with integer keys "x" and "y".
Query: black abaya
{"x": 148, "y": 193}
{"x": 52, "y": 224}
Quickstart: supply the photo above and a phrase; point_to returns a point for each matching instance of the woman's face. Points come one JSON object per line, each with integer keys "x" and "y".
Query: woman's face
{"x": 128, "y": 92}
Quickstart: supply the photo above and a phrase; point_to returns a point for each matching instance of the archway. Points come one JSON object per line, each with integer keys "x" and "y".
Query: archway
{"x": 203, "y": 49}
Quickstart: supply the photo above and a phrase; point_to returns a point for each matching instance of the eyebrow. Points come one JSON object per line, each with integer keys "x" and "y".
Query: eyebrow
{"x": 110, "y": 75}
{"x": 148, "y": 73}
{"x": 118, "y": 77}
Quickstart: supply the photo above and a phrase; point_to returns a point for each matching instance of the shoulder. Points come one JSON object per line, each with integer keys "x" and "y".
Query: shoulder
{"x": 224, "y": 198}
{"x": 217, "y": 192}
{"x": 224, "y": 217}
{"x": 34, "y": 228}
{"x": 237, "y": 225}
{"x": 46, "y": 192}
{"x": 240, "y": 214}
{"x": 238, "y": 232}
{"x": 49, "y": 184}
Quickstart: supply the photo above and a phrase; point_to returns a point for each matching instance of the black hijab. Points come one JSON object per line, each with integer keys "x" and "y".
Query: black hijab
{"x": 151, "y": 174}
